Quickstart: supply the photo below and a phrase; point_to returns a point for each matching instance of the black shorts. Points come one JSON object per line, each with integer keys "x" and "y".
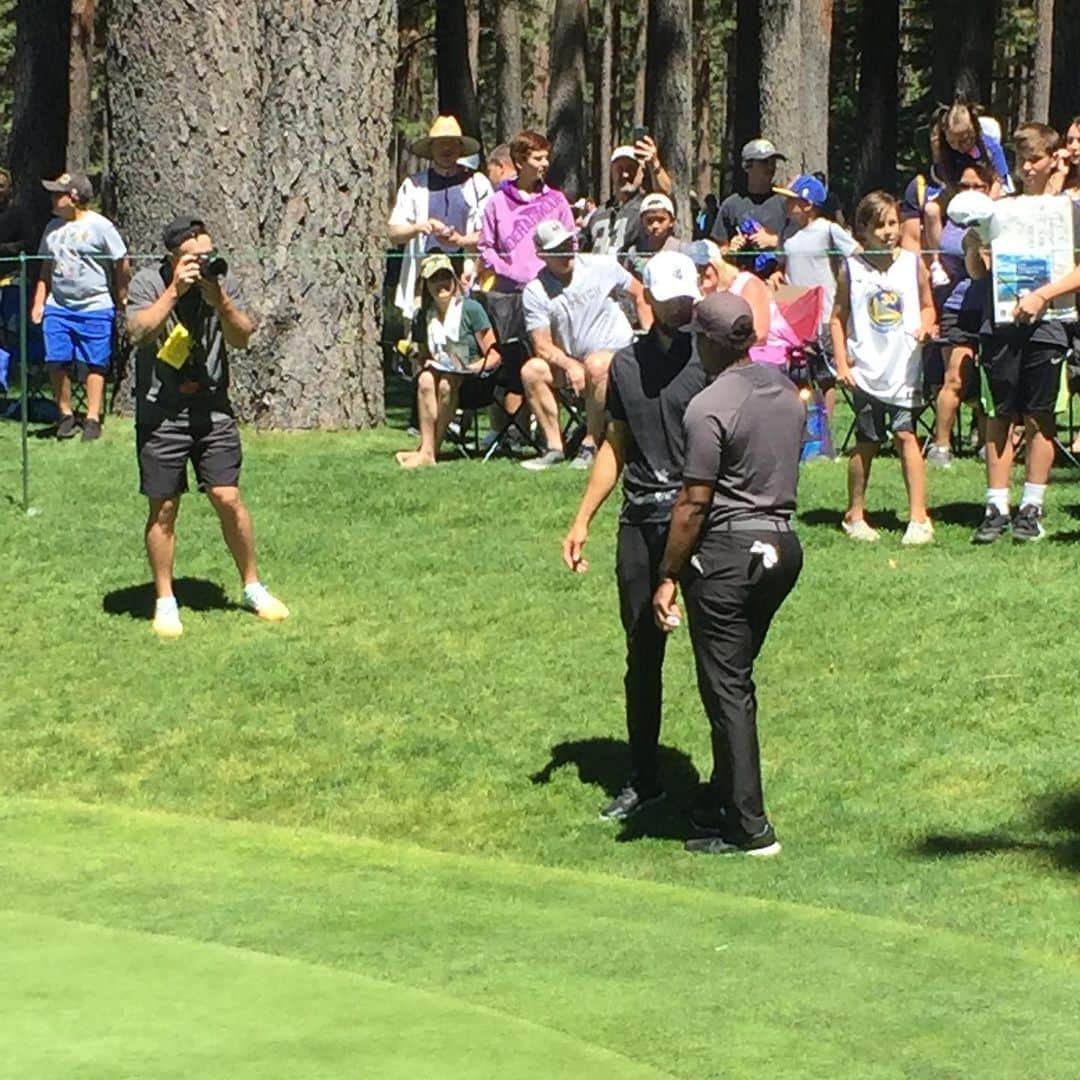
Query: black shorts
{"x": 1024, "y": 376}
{"x": 212, "y": 445}
{"x": 960, "y": 326}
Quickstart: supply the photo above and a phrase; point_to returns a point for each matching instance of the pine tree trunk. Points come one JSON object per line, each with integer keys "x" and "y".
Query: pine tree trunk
{"x": 602, "y": 95}
{"x": 669, "y": 106}
{"x": 39, "y": 108}
{"x": 566, "y": 97}
{"x": 1065, "y": 79}
{"x": 472, "y": 23}
{"x": 279, "y": 139}
{"x": 457, "y": 96}
{"x": 80, "y": 79}
{"x": 781, "y": 79}
{"x": 875, "y": 158}
{"x": 507, "y": 71}
{"x": 408, "y": 89}
{"x": 963, "y": 59}
{"x": 542, "y": 14}
{"x": 617, "y": 67}
{"x": 639, "y": 61}
{"x": 703, "y": 92}
{"x": 1039, "y": 103}
{"x": 816, "y": 39}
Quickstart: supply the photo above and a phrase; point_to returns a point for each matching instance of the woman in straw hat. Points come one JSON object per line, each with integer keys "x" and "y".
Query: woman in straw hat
{"x": 439, "y": 208}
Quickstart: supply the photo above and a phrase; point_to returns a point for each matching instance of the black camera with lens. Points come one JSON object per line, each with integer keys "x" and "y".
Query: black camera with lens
{"x": 212, "y": 265}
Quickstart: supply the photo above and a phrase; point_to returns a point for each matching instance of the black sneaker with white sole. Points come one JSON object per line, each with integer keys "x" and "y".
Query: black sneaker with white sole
{"x": 993, "y": 526}
{"x": 67, "y": 427}
{"x": 760, "y": 845}
{"x": 629, "y": 802}
{"x": 1027, "y": 525}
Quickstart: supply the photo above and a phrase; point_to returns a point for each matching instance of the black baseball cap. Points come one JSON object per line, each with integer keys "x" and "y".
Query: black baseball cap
{"x": 726, "y": 319}
{"x": 181, "y": 228}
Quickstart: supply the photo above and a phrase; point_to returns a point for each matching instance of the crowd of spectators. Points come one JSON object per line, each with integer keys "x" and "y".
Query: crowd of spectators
{"x": 904, "y": 319}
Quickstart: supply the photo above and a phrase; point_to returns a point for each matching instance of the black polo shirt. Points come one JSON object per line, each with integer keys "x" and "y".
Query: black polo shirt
{"x": 768, "y": 210}
{"x": 649, "y": 388}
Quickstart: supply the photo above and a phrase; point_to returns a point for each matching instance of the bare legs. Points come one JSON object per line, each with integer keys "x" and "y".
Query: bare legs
{"x": 912, "y": 464}
{"x": 436, "y": 402}
{"x": 236, "y": 528}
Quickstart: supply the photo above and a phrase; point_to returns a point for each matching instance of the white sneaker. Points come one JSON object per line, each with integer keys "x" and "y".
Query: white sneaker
{"x": 938, "y": 277}
{"x": 262, "y": 602}
{"x": 940, "y": 457}
{"x": 859, "y": 530}
{"x": 167, "y": 622}
{"x": 918, "y": 532}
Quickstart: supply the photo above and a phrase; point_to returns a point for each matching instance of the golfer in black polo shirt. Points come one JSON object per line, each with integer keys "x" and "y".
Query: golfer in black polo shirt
{"x": 732, "y": 547}
{"x": 650, "y": 384}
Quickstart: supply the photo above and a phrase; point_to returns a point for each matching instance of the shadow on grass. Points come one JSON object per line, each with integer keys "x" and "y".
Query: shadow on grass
{"x": 195, "y": 594}
{"x": 1059, "y": 815}
{"x": 958, "y": 513}
{"x": 831, "y": 519}
{"x": 606, "y": 763}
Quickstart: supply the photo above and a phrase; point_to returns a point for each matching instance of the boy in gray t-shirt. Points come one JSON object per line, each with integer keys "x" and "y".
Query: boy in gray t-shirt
{"x": 83, "y": 279}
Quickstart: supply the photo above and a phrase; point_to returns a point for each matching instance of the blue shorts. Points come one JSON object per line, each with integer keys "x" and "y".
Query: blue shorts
{"x": 78, "y": 337}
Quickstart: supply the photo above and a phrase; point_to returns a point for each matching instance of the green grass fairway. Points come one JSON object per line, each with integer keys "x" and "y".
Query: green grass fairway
{"x": 365, "y": 842}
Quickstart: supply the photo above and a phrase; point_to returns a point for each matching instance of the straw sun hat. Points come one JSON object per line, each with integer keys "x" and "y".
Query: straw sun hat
{"x": 445, "y": 127}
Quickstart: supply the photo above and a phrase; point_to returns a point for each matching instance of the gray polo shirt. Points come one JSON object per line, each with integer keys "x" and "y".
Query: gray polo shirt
{"x": 157, "y": 384}
{"x": 744, "y": 436}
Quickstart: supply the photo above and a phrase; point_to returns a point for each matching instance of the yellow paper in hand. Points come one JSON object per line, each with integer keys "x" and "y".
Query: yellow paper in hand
{"x": 177, "y": 347}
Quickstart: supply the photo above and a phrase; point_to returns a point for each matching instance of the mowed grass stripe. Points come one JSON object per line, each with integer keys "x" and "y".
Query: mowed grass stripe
{"x": 689, "y": 982}
{"x": 92, "y": 1002}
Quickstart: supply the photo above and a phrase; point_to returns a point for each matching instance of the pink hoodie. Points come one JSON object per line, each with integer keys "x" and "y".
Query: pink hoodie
{"x": 506, "y": 237}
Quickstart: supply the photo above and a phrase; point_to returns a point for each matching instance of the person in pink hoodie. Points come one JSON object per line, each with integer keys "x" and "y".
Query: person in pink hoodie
{"x": 513, "y": 212}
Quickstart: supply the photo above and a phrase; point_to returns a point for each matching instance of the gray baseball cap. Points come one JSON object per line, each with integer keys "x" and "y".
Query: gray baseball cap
{"x": 76, "y": 185}
{"x": 551, "y": 235}
{"x": 726, "y": 319}
{"x": 761, "y": 150}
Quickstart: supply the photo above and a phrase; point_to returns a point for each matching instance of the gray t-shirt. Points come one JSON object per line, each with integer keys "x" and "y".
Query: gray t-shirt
{"x": 83, "y": 253}
{"x": 766, "y": 209}
{"x": 809, "y": 254}
{"x": 582, "y": 316}
{"x": 744, "y": 436}
{"x": 163, "y": 392}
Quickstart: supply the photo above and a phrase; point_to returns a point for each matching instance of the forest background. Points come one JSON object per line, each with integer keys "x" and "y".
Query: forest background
{"x": 229, "y": 103}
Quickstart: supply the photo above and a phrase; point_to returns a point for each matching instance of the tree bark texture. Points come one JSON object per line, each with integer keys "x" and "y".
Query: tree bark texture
{"x": 875, "y": 159}
{"x": 38, "y": 141}
{"x": 540, "y": 15}
{"x": 1065, "y": 81}
{"x": 963, "y": 53}
{"x": 640, "y": 30}
{"x": 669, "y": 110}
{"x": 508, "y": 91}
{"x": 814, "y": 50}
{"x": 1039, "y": 102}
{"x": 703, "y": 50}
{"x": 408, "y": 90}
{"x": 566, "y": 97}
{"x": 783, "y": 114}
{"x": 457, "y": 95}
{"x": 273, "y": 122}
{"x": 472, "y": 23}
{"x": 602, "y": 91}
{"x": 80, "y": 132}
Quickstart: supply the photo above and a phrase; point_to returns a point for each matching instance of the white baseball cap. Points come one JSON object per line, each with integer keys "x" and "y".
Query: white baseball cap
{"x": 669, "y": 274}
{"x": 656, "y": 201}
{"x": 550, "y": 235}
{"x": 761, "y": 150}
{"x": 973, "y": 209}
{"x": 623, "y": 152}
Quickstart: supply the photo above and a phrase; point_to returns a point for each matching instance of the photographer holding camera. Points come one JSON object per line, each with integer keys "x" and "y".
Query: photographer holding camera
{"x": 182, "y": 320}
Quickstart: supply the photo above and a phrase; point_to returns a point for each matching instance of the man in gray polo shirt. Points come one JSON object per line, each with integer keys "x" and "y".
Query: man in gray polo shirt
{"x": 183, "y": 318}
{"x": 732, "y": 548}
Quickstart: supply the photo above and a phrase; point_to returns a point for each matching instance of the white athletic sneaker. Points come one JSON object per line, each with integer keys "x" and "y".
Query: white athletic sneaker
{"x": 167, "y": 621}
{"x": 918, "y": 532}
{"x": 940, "y": 457}
{"x": 859, "y": 530}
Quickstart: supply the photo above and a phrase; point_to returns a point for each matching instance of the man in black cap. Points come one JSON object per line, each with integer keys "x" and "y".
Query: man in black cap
{"x": 183, "y": 319}
{"x": 732, "y": 547}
